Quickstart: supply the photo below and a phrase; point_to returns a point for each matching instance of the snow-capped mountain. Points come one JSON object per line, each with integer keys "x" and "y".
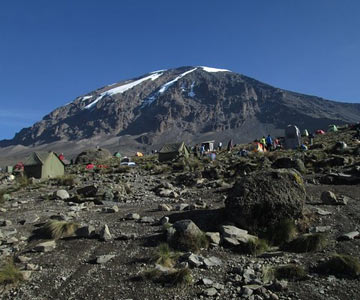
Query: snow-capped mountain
{"x": 187, "y": 103}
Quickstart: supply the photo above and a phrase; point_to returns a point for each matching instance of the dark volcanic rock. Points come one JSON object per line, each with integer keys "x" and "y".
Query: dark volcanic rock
{"x": 266, "y": 198}
{"x": 92, "y": 155}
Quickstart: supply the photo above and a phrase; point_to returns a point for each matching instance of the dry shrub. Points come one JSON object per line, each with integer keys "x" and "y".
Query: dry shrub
{"x": 9, "y": 273}
{"x": 58, "y": 229}
{"x": 307, "y": 243}
{"x": 289, "y": 272}
{"x": 341, "y": 265}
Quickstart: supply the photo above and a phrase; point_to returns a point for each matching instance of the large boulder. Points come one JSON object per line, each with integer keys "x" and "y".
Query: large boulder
{"x": 92, "y": 155}
{"x": 264, "y": 199}
{"x": 289, "y": 163}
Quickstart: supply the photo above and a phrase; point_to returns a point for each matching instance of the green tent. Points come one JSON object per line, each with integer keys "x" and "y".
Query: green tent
{"x": 117, "y": 154}
{"x": 332, "y": 128}
{"x": 172, "y": 151}
{"x": 43, "y": 165}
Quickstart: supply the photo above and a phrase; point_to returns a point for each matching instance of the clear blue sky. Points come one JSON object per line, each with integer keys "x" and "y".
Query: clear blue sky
{"x": 53, "y": 51}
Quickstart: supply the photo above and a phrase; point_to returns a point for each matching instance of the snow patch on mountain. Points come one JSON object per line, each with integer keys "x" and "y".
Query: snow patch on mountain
{"x": 123, "y": 88}
{"x": 191, "y": 93}
{"x": 213, "y": 70}
{"x": 164, "y": 88}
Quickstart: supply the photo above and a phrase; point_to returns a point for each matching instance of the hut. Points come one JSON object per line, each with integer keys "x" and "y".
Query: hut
{"x": 43, "y": 165}
{"x": 292, "y": 137}
{"x": 172, "y": 151}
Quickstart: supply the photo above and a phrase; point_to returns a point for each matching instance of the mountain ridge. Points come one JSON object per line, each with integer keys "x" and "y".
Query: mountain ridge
{"x": 186, "y": 103}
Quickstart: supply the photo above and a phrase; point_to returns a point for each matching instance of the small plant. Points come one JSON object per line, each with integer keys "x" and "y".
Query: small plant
{"x": 149, "y": 166}
{"x": 161, "y": 169}
{"x": 307, "y": 243}
{"x": 193, "y": 243}
{"x": 164, "y": 256}
{"x": 257, "y": 246}
{"x": 282, "y": 232}
{"x": 341, "y": 265}
{"x": 66, "y": 180}
{"x": 289, "y": 272}
{"x": 9, "y": 273}
{"x": 23, "y": 181}
{"x": 58, "y": 229}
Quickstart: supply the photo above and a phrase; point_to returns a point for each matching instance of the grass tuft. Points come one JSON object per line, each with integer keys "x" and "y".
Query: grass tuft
{"x": 341, "y": 265}
{"x": 282, "y": 232}
{"x": 163, "y": 255}
{"x": 289, "y": 272}
{"x": 66, "y": 180}
{"x": 310, "y": 242}
{"x": 58, "y": 229}
{"x": 9, "y": 273}
{"x": 191, "y": 242}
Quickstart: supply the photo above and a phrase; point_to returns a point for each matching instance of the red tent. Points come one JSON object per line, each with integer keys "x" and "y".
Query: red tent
{"x": 319, "y": 131}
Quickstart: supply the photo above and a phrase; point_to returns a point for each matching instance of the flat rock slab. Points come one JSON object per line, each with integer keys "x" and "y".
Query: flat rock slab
{"x": 350, "y": 236}
{"x": 102, "y": 259}
{"x": 45, "y": 246}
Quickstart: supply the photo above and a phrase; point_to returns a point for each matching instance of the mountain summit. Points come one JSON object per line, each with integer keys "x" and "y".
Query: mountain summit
{"x": 186, "y": 103}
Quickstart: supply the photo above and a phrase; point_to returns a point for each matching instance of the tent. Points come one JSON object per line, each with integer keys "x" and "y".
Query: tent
{"x": 319, "y": 131}
{"x": 258, "y": 147}
{"x": 332, "y": 128}
{"x": 43, "y": 165}
{"x": 117, "y": 154}
{"x": 306, "y": 132}
{"x": 292, "y": 137}
{"x": 172, "y": 151}
{"x": 139, "y": 154}
{"x": 209, "y": 145}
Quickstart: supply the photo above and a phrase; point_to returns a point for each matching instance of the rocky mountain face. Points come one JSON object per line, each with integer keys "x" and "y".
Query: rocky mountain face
{"x": 187, "y": 103}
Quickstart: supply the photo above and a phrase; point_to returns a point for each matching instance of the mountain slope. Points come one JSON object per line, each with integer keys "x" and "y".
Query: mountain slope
{"x": 188, "y": 103}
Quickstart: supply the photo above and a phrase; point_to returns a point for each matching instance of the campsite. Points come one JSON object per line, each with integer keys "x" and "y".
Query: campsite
{"x": 116, "y": 230}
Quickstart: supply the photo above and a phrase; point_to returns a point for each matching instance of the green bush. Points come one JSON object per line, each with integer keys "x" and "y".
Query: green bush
{"x": 66, "y": 180}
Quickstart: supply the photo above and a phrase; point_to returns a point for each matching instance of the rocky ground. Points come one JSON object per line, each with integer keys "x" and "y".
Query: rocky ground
{"x": 114, "y": 219}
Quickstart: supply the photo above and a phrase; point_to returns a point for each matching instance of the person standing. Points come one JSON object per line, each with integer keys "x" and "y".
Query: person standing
{"x": 269, "y": 143}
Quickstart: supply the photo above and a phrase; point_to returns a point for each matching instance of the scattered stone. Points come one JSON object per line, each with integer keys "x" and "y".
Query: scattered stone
{"x": 62, "y": 194}
{"x": 132, "y": 216}
{"x": 328, "y": 197}
{"x": 147, "y": 220}
{"x": 212, "y": 262}
{"x": 87, "y": 231}
{"x": 45, "y": 246}
{"x": 23, "y": 259}
{"x": 88, "y": 191}
{"x": 164, "y": 207}
{"x": 182, "y": 206}
{"x": 323, "y": 212}
{"x": 113, "y": 209}
{"x": 26, "y": 275}
{"x": 213, "y": 237}
{"x": 205, "y": 281}
{"x": 320, "y": 229}
{"x": 5, "y": 223}
{"x": 102, "y": 259}
{"x": 349, "y": 236}
{"x": 105, "y": 234}
{"x": 210, "y": 292}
